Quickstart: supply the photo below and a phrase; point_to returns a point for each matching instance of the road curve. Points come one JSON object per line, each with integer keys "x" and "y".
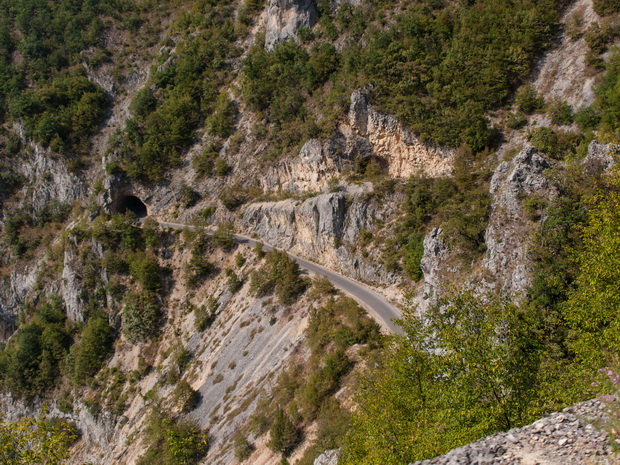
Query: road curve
{"x": 377, "y": 306}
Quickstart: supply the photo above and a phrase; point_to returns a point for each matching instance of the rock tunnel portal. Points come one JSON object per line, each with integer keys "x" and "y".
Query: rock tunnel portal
{"x": 133, "y": 204}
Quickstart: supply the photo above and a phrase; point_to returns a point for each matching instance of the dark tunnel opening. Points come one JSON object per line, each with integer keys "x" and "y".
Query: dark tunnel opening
{"x": 134, "y": 204}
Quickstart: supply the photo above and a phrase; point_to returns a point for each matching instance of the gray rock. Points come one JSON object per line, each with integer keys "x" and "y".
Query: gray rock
{"x": 537, "y": 444}
{"x": 285, "y": 17}
{"x": 506, "y": 235}
{"x": 329, "y": 457}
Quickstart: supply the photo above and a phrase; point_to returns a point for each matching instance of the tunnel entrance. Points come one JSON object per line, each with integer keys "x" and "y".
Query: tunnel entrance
{"x": 133, "y": 204}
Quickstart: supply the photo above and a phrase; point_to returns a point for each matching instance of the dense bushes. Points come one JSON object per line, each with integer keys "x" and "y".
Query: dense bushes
{"x": 173, "y": 443}
{"x": 140, "y": 317}
{"x": 32, "y": 361}
{"x": 279, "y": 275}
{"x": 47, "y": 86}
{"x": 181, "y": 92}
{"x": 438, "y": 67}
{"x": 64, "y": 113}
{"x": 514, "y": 362}
{"x": 459, "y": 205}
{"x": 464, "y": 370}
{"x": 87, "y": 357}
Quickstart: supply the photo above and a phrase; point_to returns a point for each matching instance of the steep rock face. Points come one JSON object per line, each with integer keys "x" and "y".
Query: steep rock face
{"x": 433, "y": 263}
{"x": 49, "y": 179}
{"x": 312, "y": 170}
{"x": 13, "y": 291}
{"x": 404, "y": 154}
{"x": 95, "y": 430}
{"x": 365, "y": 133}
{"x": 325, "y": 228}
{"x": 564, "y": 73}
{"x": 285, "y": 17}
{"x": 71, "y": 286}
{"x": 509, "y": 230}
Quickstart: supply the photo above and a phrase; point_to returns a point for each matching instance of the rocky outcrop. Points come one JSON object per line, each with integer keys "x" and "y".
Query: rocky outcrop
{"x": 433, "y": 263}
{"x": 13, "y": 291}
{"x": 312, "y": 170}
{"x": 329, "y": 457}
{"x": 366, "y": 133}
{"x": 599, "y": 157}
{"x": 285, "y": 17}
{"x": 573, "y": 436}
{"x": 509, "y": 228}
{"x": 325, "y": 227}
{"x": 49, "y": 179}
{"x": 564, "y": 73}
{"x": 401, "y": 150}
{"x": 71, "y": 286}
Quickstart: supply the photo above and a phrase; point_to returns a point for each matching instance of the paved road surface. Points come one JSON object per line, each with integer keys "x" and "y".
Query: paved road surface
{"x": 379, "y": 308}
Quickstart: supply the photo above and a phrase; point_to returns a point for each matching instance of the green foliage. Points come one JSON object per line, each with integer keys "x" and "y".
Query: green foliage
{"x": 560, "y": 112}
{"x": 556, "y": 144}
{"x": 140, "y": 317}
{"x": 606, "y": 7}
{"x": 63, "y": 114}
{"x": 184, "y": 398}
{"x": 145, "y": 269}
{"x": 173, "y": 443}
{"x": 280, "y": 275}
{"x": 587, "y": 118}
{"x": 204, "y": 316}
{"x": 223, "y": 237}
{"x": 184, "y": 90}
{"x": 527, "y": 99}
{"x": 284, "y": 435}
{"x": 243, "y": 449}
{"x": 188, "y": 197}
{"x": 31, "y": 363}
{"x": 460, "y": 372}
{"x": 233, "y": 283}
{"x": 222, "y": 122}
{"x": 232, "y": 197}
{"x": 30, "y": 441}
{"x": 459, "y": 205}
{"x": 87, "y": 356}
{"x": 608, "y": 99}
{"x": 591, "y": 308}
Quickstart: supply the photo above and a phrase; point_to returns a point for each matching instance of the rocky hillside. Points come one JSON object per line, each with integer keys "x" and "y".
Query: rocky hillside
{"x": 450, "y": 156}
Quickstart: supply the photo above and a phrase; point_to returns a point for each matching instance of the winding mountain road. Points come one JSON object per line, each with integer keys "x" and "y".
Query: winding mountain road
{"x": 377, "y": 306}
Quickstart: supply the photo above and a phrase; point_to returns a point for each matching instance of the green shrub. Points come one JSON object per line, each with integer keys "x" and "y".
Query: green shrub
{"x": 184, "y": 398}
{"x": 140, "y": 316}
{"x": 173, "y": 443}
{"x": 606, "y": 7}
{"x": 281, "y": 275}
{"x": 87, "y": 357}
{"x": 243, "y": 449}
{"x": 204, "y": 317}
{"x": 222, "y": 122}
{"x": 560, "y": 112}
{"x": 284, "y": 435}
{"x": 188, "y": 197}
{"x": 527, "y": 99}
{"x": 145, "y": 269}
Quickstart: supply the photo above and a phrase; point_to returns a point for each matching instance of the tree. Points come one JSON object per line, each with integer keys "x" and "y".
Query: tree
{"x": 140, "y": 317}
{"x": 284, "y": 434}
{"x": 88, "y": 356}
{"x": 464, "y": 370}
{"x": 30, "y": 441}
{"x": 592, "y": 307}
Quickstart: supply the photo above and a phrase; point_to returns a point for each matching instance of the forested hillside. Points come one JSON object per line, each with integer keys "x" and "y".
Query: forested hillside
{"x": 456, "y": 157}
